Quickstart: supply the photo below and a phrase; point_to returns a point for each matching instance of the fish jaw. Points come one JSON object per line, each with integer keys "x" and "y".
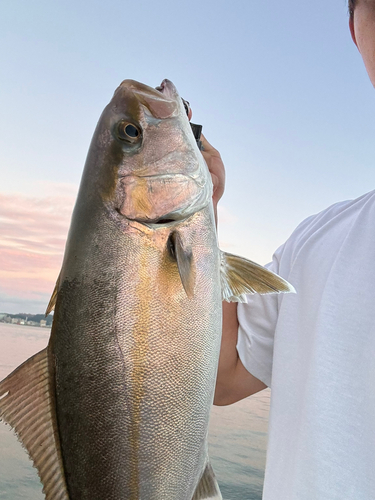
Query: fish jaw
{"x": 168, "y": 89}
{"x": 163, "y": 198}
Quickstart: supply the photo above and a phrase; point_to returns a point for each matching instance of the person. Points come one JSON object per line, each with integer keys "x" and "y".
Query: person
{"x": 316, "y": 348}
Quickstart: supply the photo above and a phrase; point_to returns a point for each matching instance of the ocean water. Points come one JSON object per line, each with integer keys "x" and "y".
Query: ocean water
{"x": 237, "y": 437}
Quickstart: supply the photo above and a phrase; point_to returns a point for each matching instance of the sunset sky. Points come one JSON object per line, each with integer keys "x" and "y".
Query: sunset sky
{"x": 279, "y": 87}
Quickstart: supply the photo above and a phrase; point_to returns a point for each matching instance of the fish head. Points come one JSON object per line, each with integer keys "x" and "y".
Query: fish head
{"x": 147, "y": 165}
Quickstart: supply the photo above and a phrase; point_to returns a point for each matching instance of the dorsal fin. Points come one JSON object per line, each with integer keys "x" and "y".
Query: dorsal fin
{"x": 240, "y": 276}
{"x": 26, "y": 404}
{"x": 52, "y": 301}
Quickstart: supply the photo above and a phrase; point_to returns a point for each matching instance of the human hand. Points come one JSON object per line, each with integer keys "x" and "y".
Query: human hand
{"x": 214, "y": 163}
{"x": 216, "y": 167}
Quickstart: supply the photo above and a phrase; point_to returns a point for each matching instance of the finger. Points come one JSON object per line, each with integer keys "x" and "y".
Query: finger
{"x": 208, "y": 148}
{"x": 216, "y": 167}
{"x": 187, "y": 107}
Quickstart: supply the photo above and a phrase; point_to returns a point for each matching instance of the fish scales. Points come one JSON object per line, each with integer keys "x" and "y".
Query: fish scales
{"x": 148, "y": 373}
{"x": 124, "y": 389}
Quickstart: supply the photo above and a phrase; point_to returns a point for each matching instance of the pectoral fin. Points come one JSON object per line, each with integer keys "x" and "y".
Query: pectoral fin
{"x": 207, "y": 489}
{"x": 240, "y": 276}
{"x": 185, "y": 262}
{"x": 26, "y": 404}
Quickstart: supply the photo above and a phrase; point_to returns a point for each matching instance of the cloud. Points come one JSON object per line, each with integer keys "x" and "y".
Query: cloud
{"x": 33, "y": 231}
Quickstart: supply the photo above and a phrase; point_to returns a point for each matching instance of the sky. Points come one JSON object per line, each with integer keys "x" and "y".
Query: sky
{"x": 279, "y": 87}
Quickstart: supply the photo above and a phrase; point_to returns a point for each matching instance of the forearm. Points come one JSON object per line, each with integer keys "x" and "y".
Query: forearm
{"x": 233, "y": 382}
{"x": 228, "y": 353}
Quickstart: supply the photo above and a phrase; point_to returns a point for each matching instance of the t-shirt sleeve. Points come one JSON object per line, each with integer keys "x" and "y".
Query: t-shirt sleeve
{"x": 257, "y": 323}
{"x": 259, "y": 317}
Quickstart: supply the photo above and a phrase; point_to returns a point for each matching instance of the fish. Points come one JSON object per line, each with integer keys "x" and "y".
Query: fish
{"x": 117, "y": 405}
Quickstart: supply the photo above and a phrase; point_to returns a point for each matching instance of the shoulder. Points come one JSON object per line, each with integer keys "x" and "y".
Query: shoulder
{"x": 336, "y": 213}
{"x": 329, "y": 225}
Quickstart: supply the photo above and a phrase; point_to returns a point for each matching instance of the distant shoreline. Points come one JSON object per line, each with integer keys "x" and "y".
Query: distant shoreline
{"x": 24, "y": 324}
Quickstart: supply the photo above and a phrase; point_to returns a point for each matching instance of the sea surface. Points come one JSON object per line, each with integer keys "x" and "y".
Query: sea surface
{"x": 237, "y": 436}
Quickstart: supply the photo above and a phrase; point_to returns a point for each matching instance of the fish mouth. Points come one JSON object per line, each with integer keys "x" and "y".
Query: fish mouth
{"x": 162, "y": 222}
{"x": 167, "y": 89}
{"x": 168, "y": 220}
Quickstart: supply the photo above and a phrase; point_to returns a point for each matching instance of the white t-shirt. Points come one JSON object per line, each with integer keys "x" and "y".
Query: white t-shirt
{"x": 316, "y": 350}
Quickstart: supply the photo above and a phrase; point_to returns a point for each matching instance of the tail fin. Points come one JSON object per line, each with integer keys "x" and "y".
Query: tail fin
{"x": 26, "y": 404}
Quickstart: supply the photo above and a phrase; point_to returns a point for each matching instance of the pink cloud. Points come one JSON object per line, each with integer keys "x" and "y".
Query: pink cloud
{"x": 33, "y": 232}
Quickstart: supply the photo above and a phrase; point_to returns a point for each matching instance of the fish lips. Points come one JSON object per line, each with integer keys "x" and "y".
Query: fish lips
{"x": 162, "y": 199}
{"x": 168, "y": 89}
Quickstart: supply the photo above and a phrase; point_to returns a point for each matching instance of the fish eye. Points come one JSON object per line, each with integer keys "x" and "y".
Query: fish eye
{"x": 128, "y": 132}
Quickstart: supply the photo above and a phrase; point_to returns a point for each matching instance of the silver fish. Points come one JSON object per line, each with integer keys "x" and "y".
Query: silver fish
{"x": 117, "y": 406}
